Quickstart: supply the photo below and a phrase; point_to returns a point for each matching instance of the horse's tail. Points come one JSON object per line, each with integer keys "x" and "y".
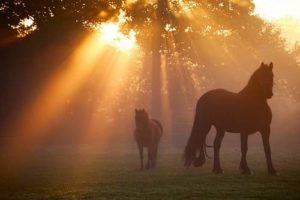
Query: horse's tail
{"x": 196, "y": 142}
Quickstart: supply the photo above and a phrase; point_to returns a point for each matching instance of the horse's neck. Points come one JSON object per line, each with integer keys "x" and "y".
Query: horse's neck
{"x": 250, "y": 93}
{"x": 145, "y": 127}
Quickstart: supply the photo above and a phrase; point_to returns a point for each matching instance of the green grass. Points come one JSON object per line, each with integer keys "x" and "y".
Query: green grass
{"x": 68, "y": 174}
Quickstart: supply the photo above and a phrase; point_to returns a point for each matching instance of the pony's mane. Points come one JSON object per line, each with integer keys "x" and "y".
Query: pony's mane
{"x": 255, "y": 79}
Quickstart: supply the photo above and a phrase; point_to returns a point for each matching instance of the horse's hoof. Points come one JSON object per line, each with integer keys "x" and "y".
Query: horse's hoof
{"x": 246, "y": 172}
{"x": 272, "y": 172}
{"x": 198, "y": 162}
{"x": 218, "y": 171}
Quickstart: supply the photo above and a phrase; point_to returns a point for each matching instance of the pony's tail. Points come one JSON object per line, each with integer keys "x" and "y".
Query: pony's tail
{"x": 196, "y": 142}
{"x": 192, "y": 145}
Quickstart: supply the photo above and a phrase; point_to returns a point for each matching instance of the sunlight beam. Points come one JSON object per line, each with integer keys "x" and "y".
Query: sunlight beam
{"x": 36, "y": 117}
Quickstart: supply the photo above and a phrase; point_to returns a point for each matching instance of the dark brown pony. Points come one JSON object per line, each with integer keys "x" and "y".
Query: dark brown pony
{"x": 147, "y": 134}
{"x": 245, "y": 112}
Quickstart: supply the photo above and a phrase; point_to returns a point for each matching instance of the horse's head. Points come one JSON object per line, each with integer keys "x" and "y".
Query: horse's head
{"x": 262, "y": 79}
{"x": 141, "y": 118}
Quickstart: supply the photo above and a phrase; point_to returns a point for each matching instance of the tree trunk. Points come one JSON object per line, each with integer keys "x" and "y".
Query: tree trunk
{"x": 156, "y": 73}
{"x": 162, "y": 14}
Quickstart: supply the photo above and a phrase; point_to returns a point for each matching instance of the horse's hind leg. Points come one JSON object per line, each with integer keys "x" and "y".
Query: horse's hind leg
{"x": 155, "y": 148}
{"x": 217, "y": 145}
{"x": 244, "y": 149}
{"x": 202, "y": 131}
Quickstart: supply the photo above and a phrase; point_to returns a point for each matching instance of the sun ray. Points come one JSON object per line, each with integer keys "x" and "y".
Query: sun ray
{"x": 108, "y": 97}
{"x": 28, "y": 129}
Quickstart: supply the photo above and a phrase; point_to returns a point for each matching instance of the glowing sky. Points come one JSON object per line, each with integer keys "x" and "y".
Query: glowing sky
{"x": 275, "y": 9}
{"x": 284, "y": 14}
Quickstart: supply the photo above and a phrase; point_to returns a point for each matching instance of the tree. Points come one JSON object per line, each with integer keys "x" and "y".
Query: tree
{"x": 200, "y": 44}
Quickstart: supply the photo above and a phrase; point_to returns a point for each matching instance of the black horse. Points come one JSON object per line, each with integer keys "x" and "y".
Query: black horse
{"x": 245, "y": 112}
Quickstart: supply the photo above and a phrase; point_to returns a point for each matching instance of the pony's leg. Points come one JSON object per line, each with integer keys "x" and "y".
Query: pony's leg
{"x": 141, "y": 156}
{"x": 150, "y": 157}
{"x": 265, "y": 133}
{"x": 155, "y": 147}
{"x": 217, "y": 145}
{"x": 244, "y": 149}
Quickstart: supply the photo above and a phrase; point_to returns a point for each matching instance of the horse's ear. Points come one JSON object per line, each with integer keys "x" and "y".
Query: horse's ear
{"x": 271, "y": 66}
{"x": 136, "y": 110}
{"x": 262, "y": 64}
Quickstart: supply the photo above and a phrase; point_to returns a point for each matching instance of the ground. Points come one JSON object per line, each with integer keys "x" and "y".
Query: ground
{"x": 62, "y": 172}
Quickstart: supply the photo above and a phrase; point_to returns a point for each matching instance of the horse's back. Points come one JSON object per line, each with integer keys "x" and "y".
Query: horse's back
{"x": 217, "y": 99}
{"x": 159, "y": 127}
{"x": 218, "y": 93}
{"x": 158, "y": 123}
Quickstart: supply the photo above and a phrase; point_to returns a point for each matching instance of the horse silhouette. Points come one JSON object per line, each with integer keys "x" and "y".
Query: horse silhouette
{"x": 147, "y": 134}
{"x": 245, "y": 112}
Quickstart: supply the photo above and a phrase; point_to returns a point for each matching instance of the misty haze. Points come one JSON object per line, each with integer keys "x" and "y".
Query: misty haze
{"x": 75, "y": 75}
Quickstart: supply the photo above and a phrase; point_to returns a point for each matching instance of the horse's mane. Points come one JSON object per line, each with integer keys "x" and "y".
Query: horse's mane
{"x": 253, "y": 84}
{"x": 254, "y": 78}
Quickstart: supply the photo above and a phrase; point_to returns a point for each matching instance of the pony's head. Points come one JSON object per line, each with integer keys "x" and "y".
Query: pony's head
{"x": 141, "y": 118}
{"x": 262, "y": 80}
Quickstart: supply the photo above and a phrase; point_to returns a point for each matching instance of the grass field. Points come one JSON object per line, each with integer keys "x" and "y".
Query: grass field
{"x": 66, "y": 173}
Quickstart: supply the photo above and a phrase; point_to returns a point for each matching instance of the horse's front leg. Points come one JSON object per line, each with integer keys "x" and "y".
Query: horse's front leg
{"x": 217, "y": 145}
{"x": 244, "y": 148}
{"x": 149, "y": 162}
{"x": 141, "y": 156}
{"x": 265, "y": 133}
